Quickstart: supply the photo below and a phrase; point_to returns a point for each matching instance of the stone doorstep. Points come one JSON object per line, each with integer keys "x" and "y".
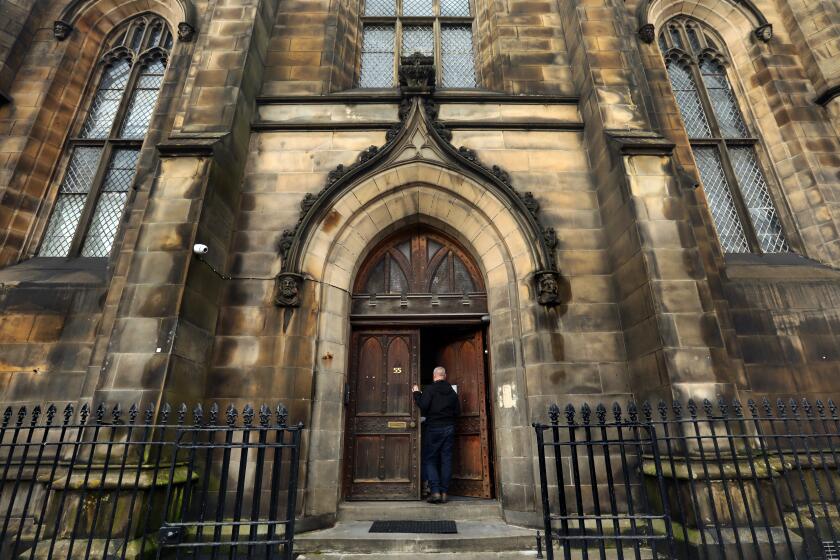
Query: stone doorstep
{"x": 459, "y": 509}
{"x": 610, "y": 554}
{"x": 473, "y": 536}
{"x": 524, "y": 555}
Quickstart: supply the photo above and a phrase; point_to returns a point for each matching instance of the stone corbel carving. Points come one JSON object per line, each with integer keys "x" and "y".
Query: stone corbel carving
{"x": 61, "y": 30}
{"x": 287, "y": 288}
{"x": 417, "y": 74}
{"x": 186, "y": 32}
{"x": 647, "y": 33}
{"x": 548, "y": 287}
{"x": 764, "y": 32}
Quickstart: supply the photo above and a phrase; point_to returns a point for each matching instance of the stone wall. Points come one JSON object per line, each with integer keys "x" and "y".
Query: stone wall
{"x": 787, "y": 318}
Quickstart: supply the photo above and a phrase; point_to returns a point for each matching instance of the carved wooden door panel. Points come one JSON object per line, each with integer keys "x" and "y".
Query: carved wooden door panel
{"x": 463, "y": 359}
{"x": 382, "y": 451}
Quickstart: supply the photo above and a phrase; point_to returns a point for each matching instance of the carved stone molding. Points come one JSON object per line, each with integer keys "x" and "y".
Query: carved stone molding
{"x": 287, "y": 287}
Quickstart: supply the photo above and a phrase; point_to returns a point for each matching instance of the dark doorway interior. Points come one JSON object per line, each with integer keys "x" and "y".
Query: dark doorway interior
{"x": 432, "y": 342}
{"x": 460, "y": 349}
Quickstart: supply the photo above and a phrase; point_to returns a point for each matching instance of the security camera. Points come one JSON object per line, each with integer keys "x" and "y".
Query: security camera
{"x": 200, "y": 249}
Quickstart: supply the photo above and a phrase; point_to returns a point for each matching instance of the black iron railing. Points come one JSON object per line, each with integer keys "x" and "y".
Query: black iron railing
{"x": 107, "y": 484}
{"x": 700, "y": 481}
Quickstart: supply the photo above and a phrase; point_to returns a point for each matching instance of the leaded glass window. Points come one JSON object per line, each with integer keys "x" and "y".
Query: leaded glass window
{"x": 103, "y": 153}
{"x": 742, "y": 208}
{"x": 438, "y": 28}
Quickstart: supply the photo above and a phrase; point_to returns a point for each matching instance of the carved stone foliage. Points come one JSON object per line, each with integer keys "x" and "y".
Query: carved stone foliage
{"x": 417, "y": 78}
{"x": 287, "y": 288}
{"x": 417, "y": 73}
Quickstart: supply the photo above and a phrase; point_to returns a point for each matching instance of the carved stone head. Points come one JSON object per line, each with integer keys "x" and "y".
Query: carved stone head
{"x": 287, "y": 289}
{"x": 61, "y": 30}
{"x": 764, "y": 32}
{"x": 646, "y": 33}
{"x": 185, "y": 32}
{"x": 548, "y": 287}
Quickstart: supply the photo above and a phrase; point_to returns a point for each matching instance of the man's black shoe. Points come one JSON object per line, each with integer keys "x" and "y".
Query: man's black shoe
{"x": 444, "y": 498}
{"x": 434, "y": 498}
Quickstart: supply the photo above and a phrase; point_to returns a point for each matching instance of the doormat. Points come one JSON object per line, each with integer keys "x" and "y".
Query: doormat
{"x": 439, "y": 527}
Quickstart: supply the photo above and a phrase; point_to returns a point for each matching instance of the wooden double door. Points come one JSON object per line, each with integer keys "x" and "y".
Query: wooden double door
{"x": 383, "y": 444}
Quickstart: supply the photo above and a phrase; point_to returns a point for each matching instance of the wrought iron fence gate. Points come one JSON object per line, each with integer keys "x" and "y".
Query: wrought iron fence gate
{"x": 710, "y": 481}
{"x": 161, "y": 484}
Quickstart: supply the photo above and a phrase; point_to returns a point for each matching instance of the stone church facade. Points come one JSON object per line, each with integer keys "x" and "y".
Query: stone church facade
{"x": 600, "y": 200}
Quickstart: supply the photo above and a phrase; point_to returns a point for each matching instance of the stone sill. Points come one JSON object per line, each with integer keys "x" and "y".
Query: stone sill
{"x": 785, "y": 266}
{"x": 56, "y": 270}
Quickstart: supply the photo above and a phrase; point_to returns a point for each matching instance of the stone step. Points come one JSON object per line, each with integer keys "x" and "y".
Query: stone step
{"x": 512, "y": 555}
{"x": 457, "y": 509}
{"x": 523, "y": 555}
{"x": 473, "y": 536}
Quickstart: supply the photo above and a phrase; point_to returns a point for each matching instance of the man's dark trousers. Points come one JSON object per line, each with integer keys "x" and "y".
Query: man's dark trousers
{"x": 437, "y": 457}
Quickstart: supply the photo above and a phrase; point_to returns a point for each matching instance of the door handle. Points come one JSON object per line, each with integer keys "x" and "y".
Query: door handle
{"x": 346, "y": 393}
{"x": 412, "y": 424}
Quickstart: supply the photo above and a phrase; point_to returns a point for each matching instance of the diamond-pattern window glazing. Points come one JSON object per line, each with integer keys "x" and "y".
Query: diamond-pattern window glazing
{"x": 70, "y": 203}
{"x": 109, "y": 207}
{"x": 418, "y": 38}
{"x": 719, "y": 194}
{"x": 418, "y": 8}
{"x": 455, "y": 8}
{"x": 760, "y": 206}
{"x": 143, "y": 100}
{"x": 380, "y": 8}
{"x": 456, "y": 50}
{"x": 438, "y": 28}
{"x": 688, "y": 101}
{"x": 92, "y": 196}
{"x": 723, "y": 100}
{"x": 106, "y": 102}
{"x": 739, "y": 198}
{"x": 377, "y": 56}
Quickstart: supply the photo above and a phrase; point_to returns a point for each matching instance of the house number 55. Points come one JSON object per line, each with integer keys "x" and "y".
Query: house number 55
{"x": 397, "y": 370}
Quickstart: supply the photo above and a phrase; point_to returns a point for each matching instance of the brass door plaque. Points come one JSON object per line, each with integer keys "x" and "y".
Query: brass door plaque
{"x": 398, "y": 425}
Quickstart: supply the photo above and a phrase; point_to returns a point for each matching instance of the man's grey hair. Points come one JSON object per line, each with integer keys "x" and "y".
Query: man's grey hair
{"x": 439, "y": 371}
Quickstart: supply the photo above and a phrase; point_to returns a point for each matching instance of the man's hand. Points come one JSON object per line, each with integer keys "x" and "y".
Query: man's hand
{"x": 415, "y": 388}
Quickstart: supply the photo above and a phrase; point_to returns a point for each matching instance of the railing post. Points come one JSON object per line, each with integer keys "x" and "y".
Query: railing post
{"x": 546, "y": 507}
{"x": 291, "y": 498}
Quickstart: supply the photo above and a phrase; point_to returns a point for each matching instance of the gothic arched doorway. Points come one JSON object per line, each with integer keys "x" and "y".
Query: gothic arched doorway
{"x": 418, "y": 301}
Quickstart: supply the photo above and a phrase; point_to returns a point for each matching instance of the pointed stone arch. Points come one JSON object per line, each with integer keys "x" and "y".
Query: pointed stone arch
{"x": 432, "y": 194}
{"x": 650, "y": 16}
{"x": 419, "y": 137}
{"x": 79, "y": 13}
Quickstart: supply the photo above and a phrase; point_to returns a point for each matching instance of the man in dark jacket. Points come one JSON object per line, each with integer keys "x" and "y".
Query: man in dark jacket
{"x": 439, "y": 404}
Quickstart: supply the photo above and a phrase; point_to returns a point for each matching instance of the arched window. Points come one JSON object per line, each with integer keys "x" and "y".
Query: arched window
{"x": 742, "y": 208}
{"x": 419, "y": 262}
{"x": 106, "y": 143}
{"x": 439, "y": 28}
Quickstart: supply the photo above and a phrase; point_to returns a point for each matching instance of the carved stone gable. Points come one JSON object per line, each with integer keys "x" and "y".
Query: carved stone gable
{"x": 420, "y": 136}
